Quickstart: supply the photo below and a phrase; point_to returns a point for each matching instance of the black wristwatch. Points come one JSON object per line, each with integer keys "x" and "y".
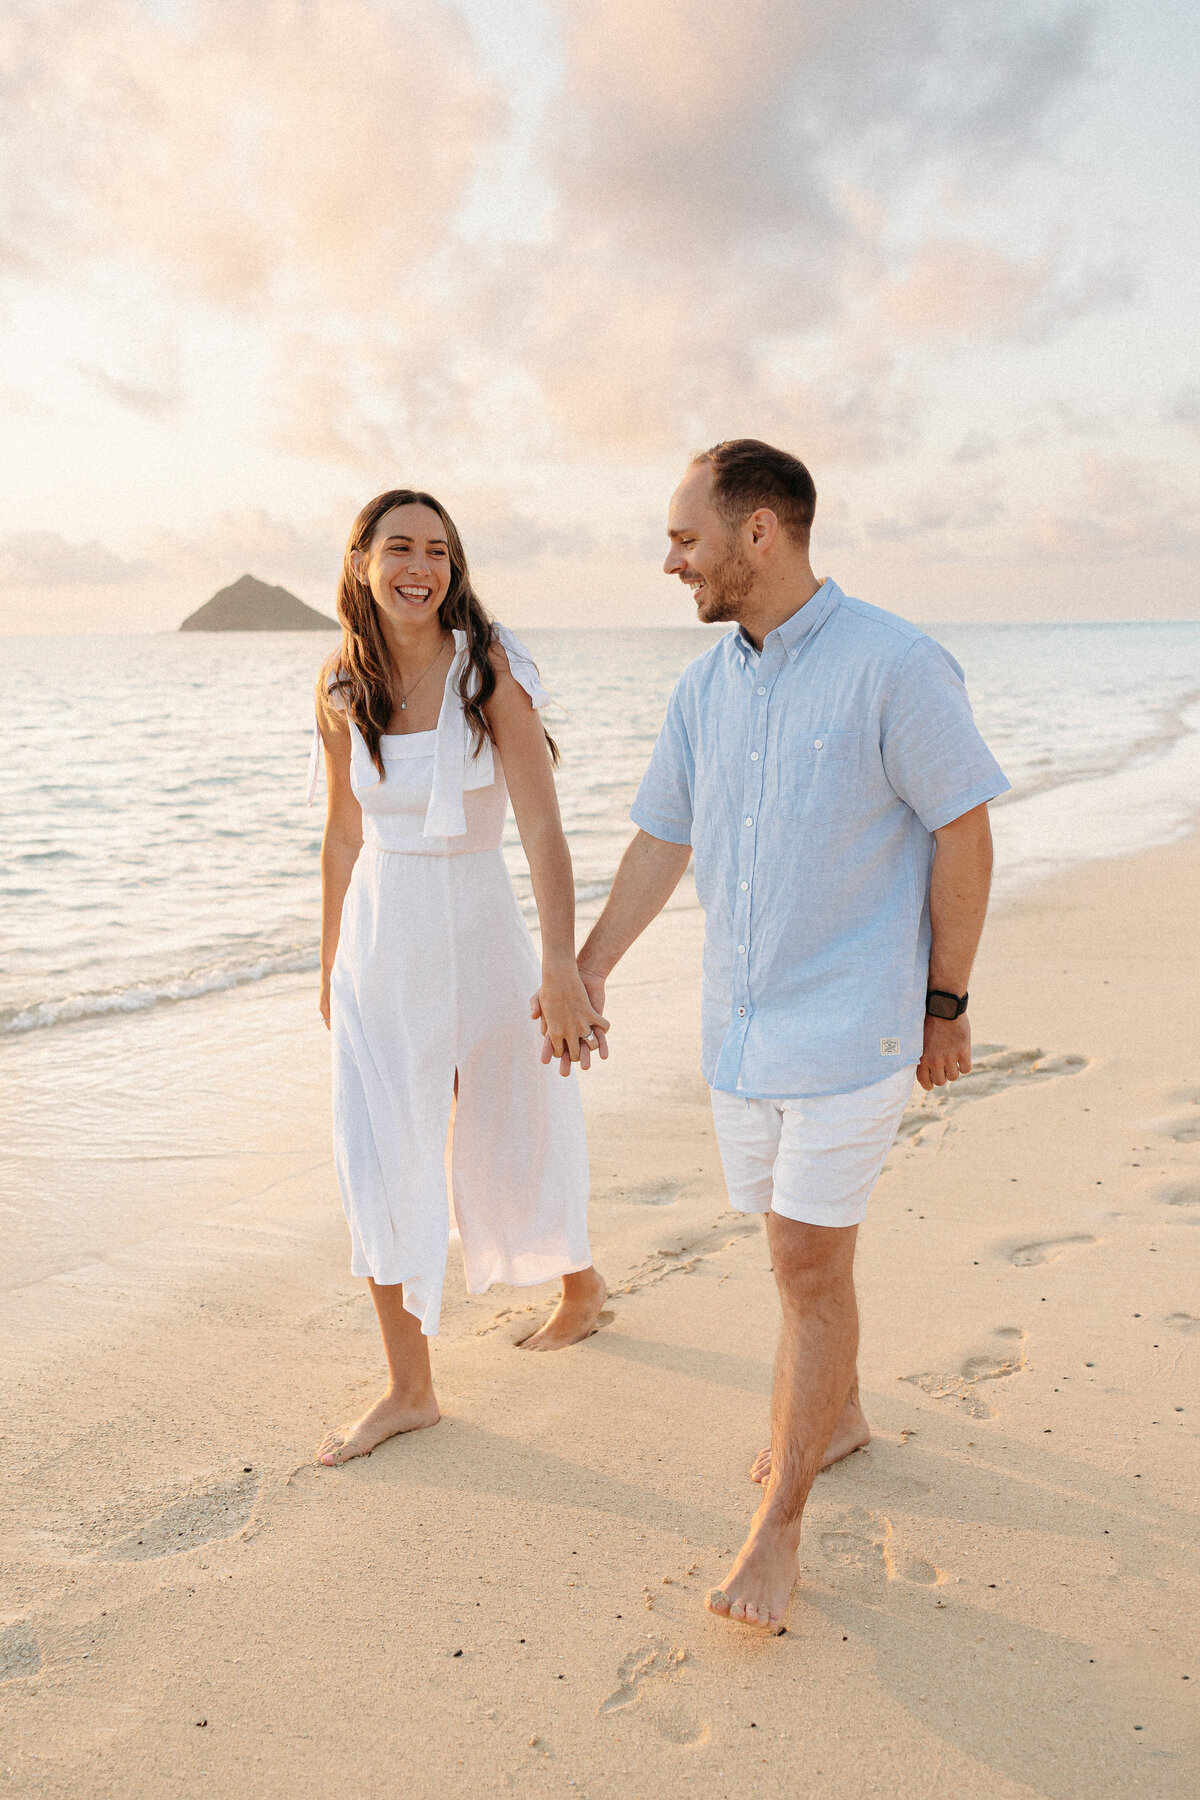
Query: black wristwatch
{"x": 941, "y": 1005}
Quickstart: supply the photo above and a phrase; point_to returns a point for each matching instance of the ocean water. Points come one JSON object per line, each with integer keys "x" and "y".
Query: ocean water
{"x": 157, "y": 846}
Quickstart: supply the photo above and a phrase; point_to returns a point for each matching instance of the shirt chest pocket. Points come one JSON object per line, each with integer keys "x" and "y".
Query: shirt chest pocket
{"x": 818, "y": 774}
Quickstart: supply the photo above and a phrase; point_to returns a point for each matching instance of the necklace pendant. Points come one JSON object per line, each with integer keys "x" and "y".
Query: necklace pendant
{"x": 404, "y": 706}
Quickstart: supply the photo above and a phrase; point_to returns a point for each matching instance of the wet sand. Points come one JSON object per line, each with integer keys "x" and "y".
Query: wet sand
{"x": 998, "y": 1598}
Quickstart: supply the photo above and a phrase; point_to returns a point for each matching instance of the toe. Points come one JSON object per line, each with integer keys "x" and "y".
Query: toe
{"x": 718, "y": 1602}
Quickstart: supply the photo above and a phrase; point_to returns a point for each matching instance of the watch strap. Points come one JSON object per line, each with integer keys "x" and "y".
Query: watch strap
{"x": 952, "y": 1005}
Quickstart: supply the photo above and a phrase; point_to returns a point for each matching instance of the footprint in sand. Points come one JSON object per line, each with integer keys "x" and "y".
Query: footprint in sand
{"x": 678, "y": 1728}
{"x": 866, "y": 1541}
{"x": 995, "y": 1069}
{"x": 1029, "y": 1256}
{"x": 1183, "y": 1322}
{"x": 354, "y": 1313}
{"x": 202, "y": 1517}
{"x": 685, "y": 1253}
{"x": 994, "y": 1365}
{"x": 19, "y": 1653}
{"x": 680, "y": 1256}
{"x": 1184, "y": 1127}
{"x": 649, "y": 1193}
{"x": 658, "y": 1660}
{"x": 1178, "y": 1193}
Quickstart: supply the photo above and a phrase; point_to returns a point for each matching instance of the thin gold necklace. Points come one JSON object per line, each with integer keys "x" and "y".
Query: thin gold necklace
{"x": 405, "y": 695}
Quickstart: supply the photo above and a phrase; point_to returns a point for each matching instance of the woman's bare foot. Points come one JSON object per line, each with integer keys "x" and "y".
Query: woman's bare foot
{"x": 757, "y": 1589}
{"x": 391, "y": 1414}
{"x": 576, "y": 1315}
{"x": 851, "y": 1433}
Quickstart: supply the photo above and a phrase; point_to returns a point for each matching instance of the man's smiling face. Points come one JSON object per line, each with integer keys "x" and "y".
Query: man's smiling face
{"x": 705, "y": 553}
{"x": 408, "y": 565}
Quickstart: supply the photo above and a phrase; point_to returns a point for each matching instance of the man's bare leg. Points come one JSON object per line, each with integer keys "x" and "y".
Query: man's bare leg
{"x": 576, "y": 1315}
{"x": 408, "y": 1403}
{"x": 814, "y": 1370}
{"x": 851, "y": 1433}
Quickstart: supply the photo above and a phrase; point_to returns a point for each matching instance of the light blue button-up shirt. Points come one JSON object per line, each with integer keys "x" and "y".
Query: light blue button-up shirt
{"x": 809, "y": 779}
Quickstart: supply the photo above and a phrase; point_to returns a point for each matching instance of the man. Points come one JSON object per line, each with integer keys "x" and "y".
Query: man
{"x": 822, "y": 763}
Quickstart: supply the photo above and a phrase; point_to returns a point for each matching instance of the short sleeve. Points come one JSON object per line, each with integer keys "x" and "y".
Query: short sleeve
{"x": 522, "y": 666}
{"x": 663, "y": 806}
{"x": 933, "y": 754}
{"x": 337, "y": 700}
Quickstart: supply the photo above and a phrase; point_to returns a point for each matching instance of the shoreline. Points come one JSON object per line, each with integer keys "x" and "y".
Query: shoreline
{"x": 1018, "y": 1542}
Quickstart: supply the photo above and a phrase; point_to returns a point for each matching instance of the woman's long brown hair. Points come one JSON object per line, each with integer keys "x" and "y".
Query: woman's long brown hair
{"x": 361, "y": 669}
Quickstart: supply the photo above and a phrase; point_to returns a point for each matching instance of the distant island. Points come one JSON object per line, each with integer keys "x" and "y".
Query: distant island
{"x": 251, "y": 605}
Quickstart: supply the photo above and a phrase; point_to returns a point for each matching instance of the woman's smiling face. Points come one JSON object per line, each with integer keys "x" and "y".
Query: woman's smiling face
{"x": 407, "y": 567}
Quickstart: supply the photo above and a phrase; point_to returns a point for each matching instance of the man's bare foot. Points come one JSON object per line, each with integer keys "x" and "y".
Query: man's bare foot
{"x": 391, "y": 1414}
{"x": 575, "y": 1316}
{"x": 757, "y": 1589}
{"x": 851, "y": 1433}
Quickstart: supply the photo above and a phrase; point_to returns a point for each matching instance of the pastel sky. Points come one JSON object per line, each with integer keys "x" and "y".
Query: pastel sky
{"x": 262, "y": 258}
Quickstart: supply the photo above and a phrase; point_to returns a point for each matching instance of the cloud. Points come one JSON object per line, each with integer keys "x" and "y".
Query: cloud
{"x": 932, "y": 519}
{"x": 43, "y": 560}
{"x": 1184, "y": 408}
{"x": 305, "y": 152}
{"x": 1125, "y": 509}
{"x": 975, "y": 290}
{"x": 977, "y": 446}
{"x": 306, "y": 557}
{"x": 960, "y": 287}
{"x": 723, "y": 178}
{"x": 145, "y": 397}
{"x": 713, "y": 208}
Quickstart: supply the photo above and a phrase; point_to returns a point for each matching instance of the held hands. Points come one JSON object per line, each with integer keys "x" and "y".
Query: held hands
{"x": 947, "y": 1052}
{"x": 568, "y": 1005}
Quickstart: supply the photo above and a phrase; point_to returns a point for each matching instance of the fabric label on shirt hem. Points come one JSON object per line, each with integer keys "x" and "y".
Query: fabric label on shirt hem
{"x": 889, "y": 1046}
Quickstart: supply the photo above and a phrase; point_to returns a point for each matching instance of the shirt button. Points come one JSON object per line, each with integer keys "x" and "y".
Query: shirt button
{"x": 741, "y": 949}
{"x": 745, "y": 887}
{"x": 754, "y": 756}
{"x": 741, "y": 1012}
{"x": 749, "y": 821}
{"x": 818, "y": 743}
{"x": 762, "y": 690}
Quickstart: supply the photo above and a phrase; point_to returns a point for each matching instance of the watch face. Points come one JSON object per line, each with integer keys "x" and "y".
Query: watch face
{"x": 942, "y": 1006}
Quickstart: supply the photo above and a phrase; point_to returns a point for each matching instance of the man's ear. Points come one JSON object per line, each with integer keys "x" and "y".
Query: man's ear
{"x": 764, "y": 528}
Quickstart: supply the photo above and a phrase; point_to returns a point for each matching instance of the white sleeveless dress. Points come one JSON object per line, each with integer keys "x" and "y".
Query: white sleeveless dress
{"x": 433, "y": 976}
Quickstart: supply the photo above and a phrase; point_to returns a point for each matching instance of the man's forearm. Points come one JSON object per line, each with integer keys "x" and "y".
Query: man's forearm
{"x": 649, "y": 873}
{"x": 958, "y": 898}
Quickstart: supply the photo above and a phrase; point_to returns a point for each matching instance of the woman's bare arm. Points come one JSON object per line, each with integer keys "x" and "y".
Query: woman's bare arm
{"x": 562, "y": 1002}
{"x": 342, "y": 840}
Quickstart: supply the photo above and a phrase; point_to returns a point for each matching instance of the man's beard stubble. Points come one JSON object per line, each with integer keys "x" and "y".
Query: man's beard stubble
{"x": 727, "y": 588}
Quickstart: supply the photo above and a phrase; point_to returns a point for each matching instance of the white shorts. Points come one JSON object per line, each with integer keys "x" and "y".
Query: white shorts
{"x": 813, "y": 1160}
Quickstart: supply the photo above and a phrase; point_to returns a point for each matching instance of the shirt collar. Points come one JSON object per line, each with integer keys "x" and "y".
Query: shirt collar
{"x": 803, "y": 622}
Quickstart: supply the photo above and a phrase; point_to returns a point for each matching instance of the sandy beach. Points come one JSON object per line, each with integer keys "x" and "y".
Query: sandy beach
{"x": 999, "y": 1598}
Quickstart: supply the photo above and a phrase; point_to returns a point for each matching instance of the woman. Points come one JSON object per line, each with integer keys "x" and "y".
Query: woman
{"x": 427, "y": 714}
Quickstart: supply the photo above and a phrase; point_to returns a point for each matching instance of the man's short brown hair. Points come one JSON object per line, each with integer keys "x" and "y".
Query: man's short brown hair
{"x": 747, "y": 474}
